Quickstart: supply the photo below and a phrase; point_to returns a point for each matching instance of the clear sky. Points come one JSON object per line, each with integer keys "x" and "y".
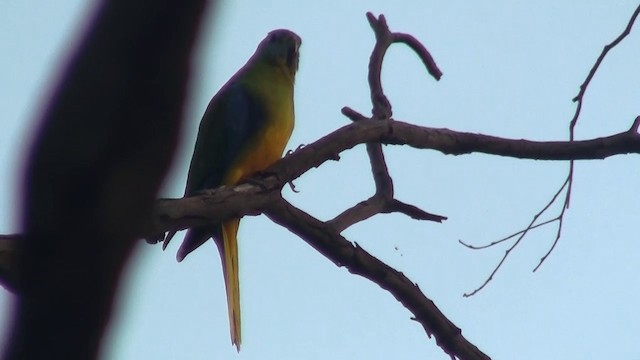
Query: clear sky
{"x": 510, "y": 69}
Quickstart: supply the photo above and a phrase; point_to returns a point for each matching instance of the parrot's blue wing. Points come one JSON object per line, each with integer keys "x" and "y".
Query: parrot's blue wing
{"x": 234, "y": 116}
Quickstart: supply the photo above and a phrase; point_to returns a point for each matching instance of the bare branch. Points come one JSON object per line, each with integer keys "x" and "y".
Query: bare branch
{"x": 352, "y": 114}
{"x": 448, "y": 142}
{"x": 381, "y": 106}
{"x": 379, "y": 170}
{"x": 605, "y": 51}
{"x": 382, "y": 201}
{"x": 422, "y": 52}
{"x": 384, "y": 38}
{"x": 357, "y": 213}
{"x": 411, "y": 211}
{"x": 583, "y": 89}
{"x": 249, "y": 199}
{"x": 324, "y": 238}
{"x": 211, "y": 206}
{"x": 377, "y": 205}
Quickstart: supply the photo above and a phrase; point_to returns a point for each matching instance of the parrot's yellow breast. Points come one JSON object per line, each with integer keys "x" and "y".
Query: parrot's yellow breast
{"x": 267, "y": 146}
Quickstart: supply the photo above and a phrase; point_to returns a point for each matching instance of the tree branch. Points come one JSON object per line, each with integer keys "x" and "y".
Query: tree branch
{"x": 448, "y": 142}
{"x": 324, "y": 238}
{"x": 383, "y": 201}
{"x": 250, "y": 199}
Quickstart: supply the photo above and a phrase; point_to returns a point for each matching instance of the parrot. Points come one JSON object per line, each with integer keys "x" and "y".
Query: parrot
{"x": 244, "y": 129}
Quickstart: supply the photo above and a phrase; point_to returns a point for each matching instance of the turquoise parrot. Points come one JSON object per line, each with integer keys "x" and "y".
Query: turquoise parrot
{"x": 244, "y": 130}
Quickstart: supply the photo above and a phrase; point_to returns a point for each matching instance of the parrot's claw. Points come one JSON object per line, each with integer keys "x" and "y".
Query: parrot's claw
{"x": 167, "y": 239}
{"x": 293, "y": 187}
{"x": 289, "y": 152}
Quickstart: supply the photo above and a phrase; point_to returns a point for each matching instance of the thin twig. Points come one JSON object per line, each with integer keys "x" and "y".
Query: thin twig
{"x": 583, "y": 89}
{"x": 522, "y": 233}
{"x": 496, "y": 242}
{"x": 560, "y": 219}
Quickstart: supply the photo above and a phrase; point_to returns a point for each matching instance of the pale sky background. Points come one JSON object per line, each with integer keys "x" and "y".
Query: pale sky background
{"x": 510, "y": 69}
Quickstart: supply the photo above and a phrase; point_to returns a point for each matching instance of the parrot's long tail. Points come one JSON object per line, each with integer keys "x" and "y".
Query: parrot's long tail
{"x": 229, "y": 254}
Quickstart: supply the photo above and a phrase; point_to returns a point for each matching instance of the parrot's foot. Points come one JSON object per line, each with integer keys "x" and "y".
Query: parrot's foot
{"x": 258, "y": 179}
{"x": 155, "y": 238}
{"x": 289, "y": 152}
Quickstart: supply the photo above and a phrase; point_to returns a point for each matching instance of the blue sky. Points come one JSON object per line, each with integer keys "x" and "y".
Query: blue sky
{"x": 510, "y": 69}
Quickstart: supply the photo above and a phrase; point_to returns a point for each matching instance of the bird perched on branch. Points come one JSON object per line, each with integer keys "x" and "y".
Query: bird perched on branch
{"x": 244, "y": 130}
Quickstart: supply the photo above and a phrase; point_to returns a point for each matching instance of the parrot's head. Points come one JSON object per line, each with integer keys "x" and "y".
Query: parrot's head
{"x": 280, "y": 48}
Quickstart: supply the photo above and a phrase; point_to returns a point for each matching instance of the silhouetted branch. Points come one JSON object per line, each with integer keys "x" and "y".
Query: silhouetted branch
{"x": 176, "y": 214}
{"x": 421, "y": 51}
{"x": 384, "y": 39}
{"x": 379, "y": 205}
{"x": 212, "y": 206}
{"x": 250, "y": 199}
{"x": 496, "y": 242}
{"x": 383, "y": 200}
{"x": 331, "y": 244}
{"x": 414, "y": 212}
{"x": 583, "y": 89}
